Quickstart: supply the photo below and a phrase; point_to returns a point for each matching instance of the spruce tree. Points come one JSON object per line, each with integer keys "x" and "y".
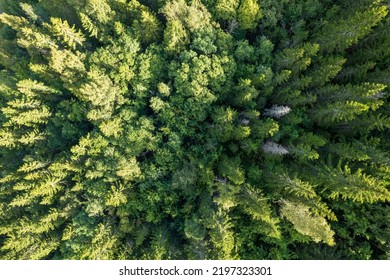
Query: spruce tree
{"x": 207, "y": 129}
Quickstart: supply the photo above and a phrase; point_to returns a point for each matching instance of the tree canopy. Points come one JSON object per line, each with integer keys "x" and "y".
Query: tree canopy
{"x": 194, "y": 129}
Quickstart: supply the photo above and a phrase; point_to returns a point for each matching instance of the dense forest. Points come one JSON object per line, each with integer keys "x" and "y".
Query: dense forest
{"x": 194, "y": 129}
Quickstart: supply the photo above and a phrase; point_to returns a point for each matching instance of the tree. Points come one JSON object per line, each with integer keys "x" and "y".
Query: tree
{"x": 342, "y": 34}
{"x": 248, "y": 14}
{"x": 204, "y": 129}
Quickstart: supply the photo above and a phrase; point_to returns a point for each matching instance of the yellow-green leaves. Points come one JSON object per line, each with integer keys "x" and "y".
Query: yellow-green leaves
{"x": 192, "y": 16}
{"x": 306, "y": 223}
{"x": 258, "y": 207}
{"x": 249, "y": 14}
{"x": 99, "y": 9}
{"x": 68, "y": 34}
{"x": 175, "y": 36}
{"x": 353, "y": 185}
{"x": 222, "y": 235}
{"x": 116, "y": 196}
{"x": 194, "y": 129}
{"x": 147, "y": 28}
{"x": 226, "y": 9}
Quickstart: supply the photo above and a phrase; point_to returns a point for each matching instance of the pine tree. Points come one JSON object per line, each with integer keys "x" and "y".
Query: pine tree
{"x": 306, "y": 223}
{"x": 339, "y": 35}
{"x": 205, "y": 129}
{"x": 248, "y": 14}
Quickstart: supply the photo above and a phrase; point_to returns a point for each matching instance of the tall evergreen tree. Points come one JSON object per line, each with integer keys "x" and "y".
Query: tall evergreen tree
{"x": 204, "y": 129}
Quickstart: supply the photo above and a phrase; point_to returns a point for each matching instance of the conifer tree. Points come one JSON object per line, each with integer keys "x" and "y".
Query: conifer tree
{"x": 205, "y": 129}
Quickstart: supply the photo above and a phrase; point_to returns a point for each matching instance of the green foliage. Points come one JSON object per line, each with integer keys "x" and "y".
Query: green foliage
{"x": 341, "y": 34}
{"x": 306, "y": 223}
{"x": 205, "y": 129}
{"x": 226, "y": 9}
{"x": 357, "y": 186}
{"x": 248, "y": 14}
{"x": 68, "y": 34}
{"x": 175, "y": 36}
{"x": 147, "y": 27}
